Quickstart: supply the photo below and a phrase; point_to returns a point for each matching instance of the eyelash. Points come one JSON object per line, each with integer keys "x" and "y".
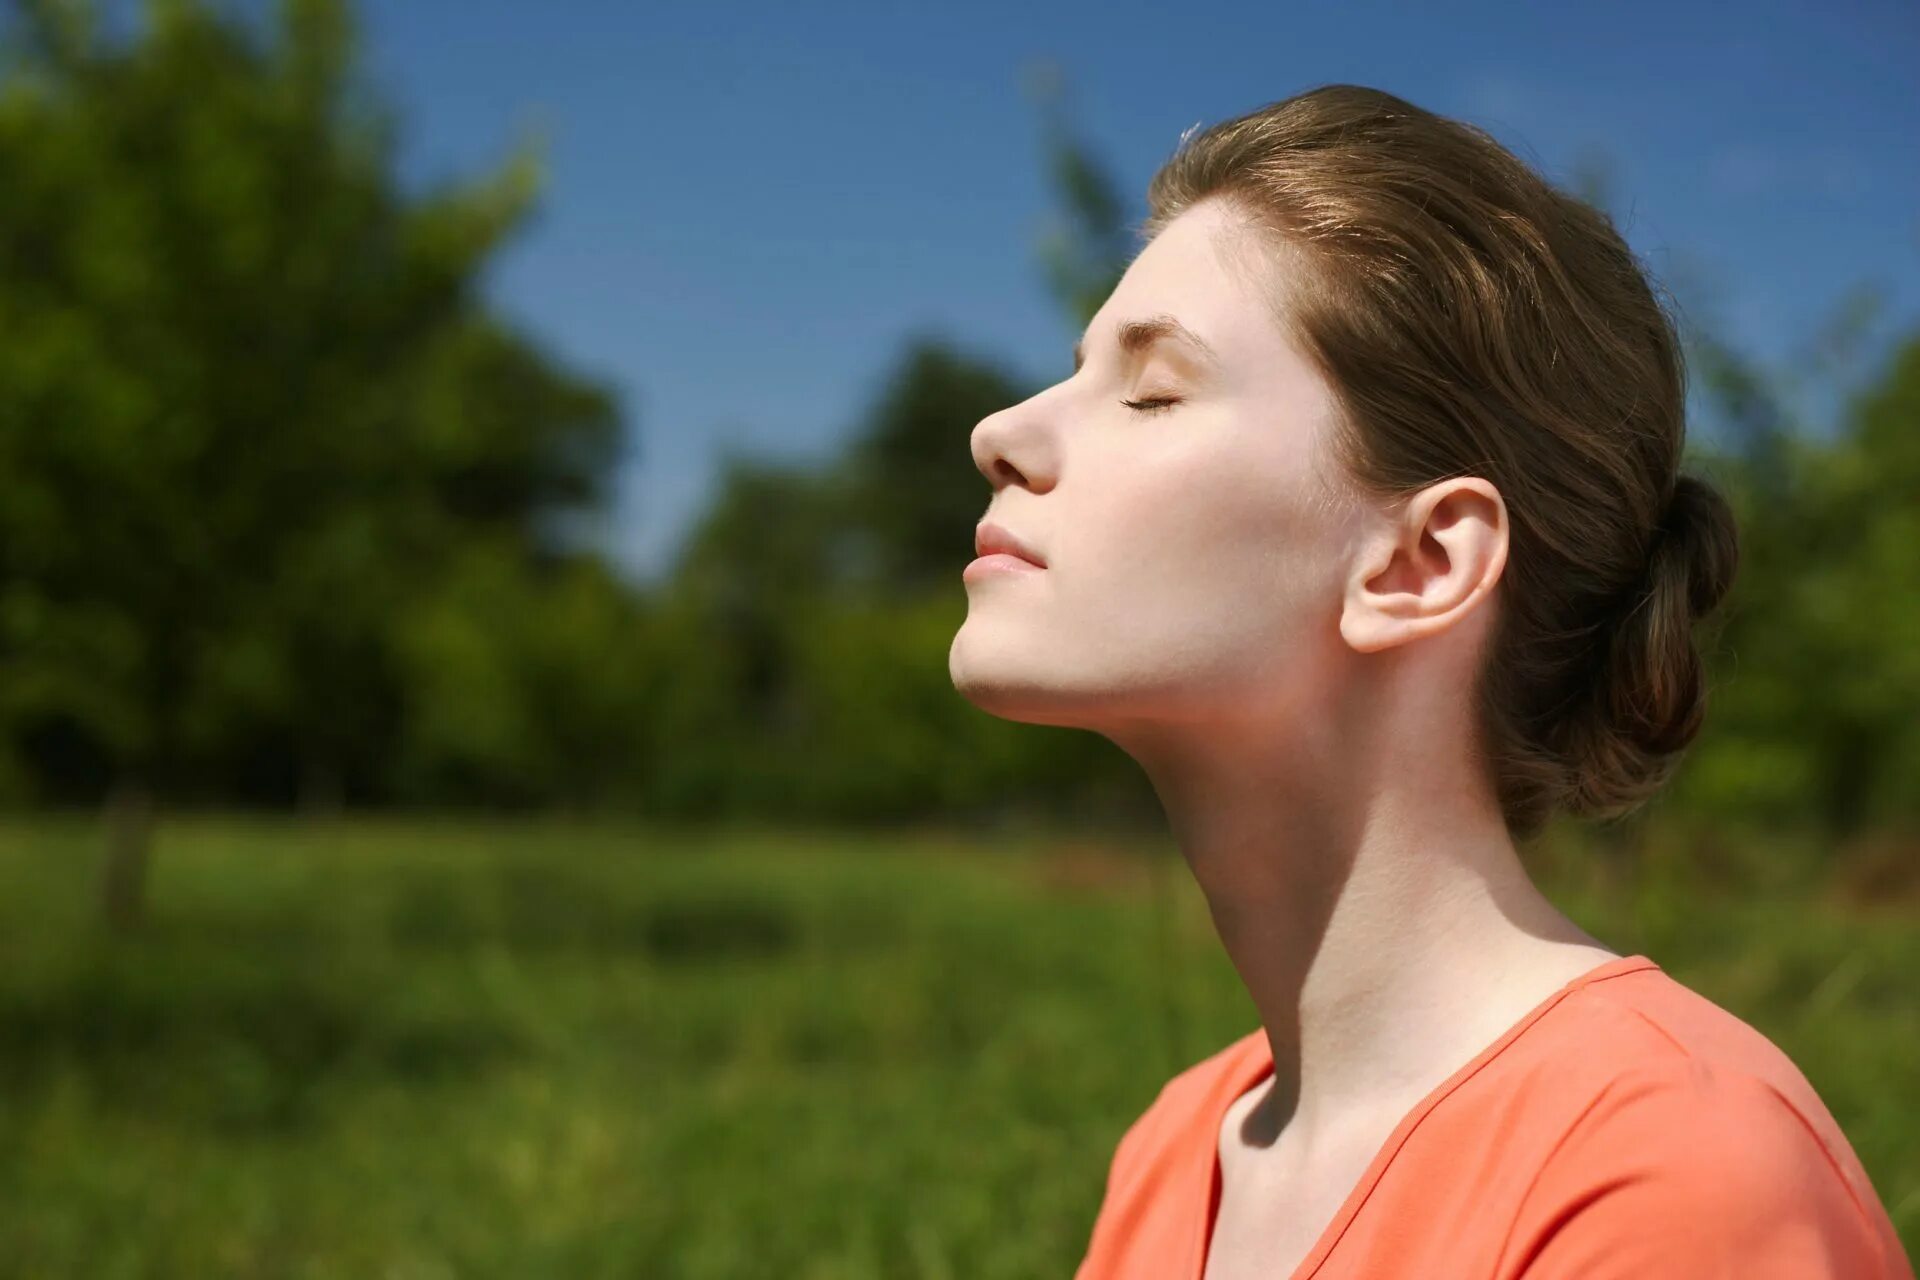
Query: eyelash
{"x": 1157, "y": 405}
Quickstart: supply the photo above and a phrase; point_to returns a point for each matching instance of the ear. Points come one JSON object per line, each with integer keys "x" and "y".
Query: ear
{"x": 1426, "y": 565}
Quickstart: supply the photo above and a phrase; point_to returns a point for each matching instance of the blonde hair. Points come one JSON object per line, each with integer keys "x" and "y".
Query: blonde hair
{"x": 1473, "y": 319}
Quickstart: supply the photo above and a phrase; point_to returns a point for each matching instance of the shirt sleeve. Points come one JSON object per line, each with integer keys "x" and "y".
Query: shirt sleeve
{"x": 1683, "y": 1173}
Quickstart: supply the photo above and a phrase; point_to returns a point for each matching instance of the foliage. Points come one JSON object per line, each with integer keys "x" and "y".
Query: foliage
{"x": 512, "y": 1048}
{"x": 1813, "y": 681}
{"x": 252, "y": 407}
{"x": 1090, "y": 239}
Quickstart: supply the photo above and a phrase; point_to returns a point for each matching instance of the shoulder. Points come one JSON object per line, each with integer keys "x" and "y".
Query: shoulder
{"x": 1685, "y": 1164}
{"x": 1674, "y": 1040}
{"x": 1674, "y": 1119}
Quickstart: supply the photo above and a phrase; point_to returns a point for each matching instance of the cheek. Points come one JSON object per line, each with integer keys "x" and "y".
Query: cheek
{"x": 1210, "y": 547}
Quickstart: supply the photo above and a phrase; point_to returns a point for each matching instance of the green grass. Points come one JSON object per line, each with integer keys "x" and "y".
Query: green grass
{"x": 423, "y": 1049}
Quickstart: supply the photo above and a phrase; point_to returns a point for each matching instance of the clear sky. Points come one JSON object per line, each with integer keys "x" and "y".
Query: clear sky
{"x": 751, "y": 205}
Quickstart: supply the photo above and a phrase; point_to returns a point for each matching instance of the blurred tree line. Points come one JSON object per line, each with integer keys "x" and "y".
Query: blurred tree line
{"x": 284, "y": 506}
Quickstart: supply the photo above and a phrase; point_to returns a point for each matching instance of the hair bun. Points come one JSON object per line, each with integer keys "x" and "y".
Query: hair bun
{"x": 1650, "y": 699}
{"x": 1700, "y": 524}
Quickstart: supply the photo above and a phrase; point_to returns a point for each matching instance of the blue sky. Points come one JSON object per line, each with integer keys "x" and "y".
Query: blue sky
{"x": 750, "y": 206}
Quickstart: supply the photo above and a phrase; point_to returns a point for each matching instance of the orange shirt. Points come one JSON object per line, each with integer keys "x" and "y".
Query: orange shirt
{"x": 1627, "y": 1128}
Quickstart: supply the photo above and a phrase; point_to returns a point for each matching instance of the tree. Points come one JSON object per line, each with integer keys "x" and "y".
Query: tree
{"x": 916, "y": 494}
{"x": 1087, "y": 247}
{"x": 250, "y": 400}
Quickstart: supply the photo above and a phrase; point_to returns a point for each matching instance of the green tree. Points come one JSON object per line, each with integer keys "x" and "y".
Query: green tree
{"x": 251, "y": 404}
{"x": 1817, "y": 676}
{"x": 523, "y": 685}
{"x": 1090, "y": 240}
{"x": 915, "y": 493}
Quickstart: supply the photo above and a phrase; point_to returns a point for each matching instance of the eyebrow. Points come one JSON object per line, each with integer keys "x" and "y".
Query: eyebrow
{"x": 1136, "y": 336}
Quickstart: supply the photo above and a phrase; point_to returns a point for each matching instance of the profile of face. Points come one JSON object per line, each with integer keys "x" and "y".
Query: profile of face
{"x": 1203, "y": 558}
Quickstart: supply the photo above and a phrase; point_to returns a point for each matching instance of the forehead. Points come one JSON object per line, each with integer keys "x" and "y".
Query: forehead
{"x": 1211, "y": 273}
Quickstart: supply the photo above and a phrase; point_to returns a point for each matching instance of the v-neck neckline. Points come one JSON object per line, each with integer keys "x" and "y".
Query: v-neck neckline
{"x": 1257, "y": 1065}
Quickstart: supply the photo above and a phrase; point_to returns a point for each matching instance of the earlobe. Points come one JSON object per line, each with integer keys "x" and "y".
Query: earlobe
{"x": 1375, "y": 615}
{"x": 1367, "y": 630}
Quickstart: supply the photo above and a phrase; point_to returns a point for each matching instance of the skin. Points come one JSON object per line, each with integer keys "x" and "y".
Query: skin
{"x": 1290, "y": 662}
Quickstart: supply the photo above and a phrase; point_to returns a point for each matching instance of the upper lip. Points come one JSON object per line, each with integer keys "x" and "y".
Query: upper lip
{"x": 989, "y": 537}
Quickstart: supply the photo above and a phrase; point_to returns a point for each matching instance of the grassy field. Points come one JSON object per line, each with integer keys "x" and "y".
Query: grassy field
{"x": 427, "y": 1049}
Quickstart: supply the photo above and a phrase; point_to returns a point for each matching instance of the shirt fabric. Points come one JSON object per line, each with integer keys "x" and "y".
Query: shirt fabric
{"x": 1627, "y": 1128}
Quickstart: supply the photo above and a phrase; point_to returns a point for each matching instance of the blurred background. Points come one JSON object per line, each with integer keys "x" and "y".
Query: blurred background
{"x": 483, "y": 491}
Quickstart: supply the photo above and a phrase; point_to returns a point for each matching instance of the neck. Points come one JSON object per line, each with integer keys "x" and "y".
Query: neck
{"x": 1372, "y": 903}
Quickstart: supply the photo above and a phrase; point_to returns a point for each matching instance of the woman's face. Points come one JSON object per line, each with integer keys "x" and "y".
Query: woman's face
{"x": 1194, "y": 561}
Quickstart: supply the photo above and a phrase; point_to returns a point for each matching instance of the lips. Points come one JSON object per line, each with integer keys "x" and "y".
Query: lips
{"x": 992, "y": 539}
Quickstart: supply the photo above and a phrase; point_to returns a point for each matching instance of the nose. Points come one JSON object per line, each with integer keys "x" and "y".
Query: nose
{"x": 1012, "y": 446}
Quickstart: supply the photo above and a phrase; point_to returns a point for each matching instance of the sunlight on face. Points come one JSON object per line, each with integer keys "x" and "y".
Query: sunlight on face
{"x": 1173, "y": 487}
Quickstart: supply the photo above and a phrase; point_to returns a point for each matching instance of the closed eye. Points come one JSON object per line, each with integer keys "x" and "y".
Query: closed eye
{"x": 1157, "y": 405}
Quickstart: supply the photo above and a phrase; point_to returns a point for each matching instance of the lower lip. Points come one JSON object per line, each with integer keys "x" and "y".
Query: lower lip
{"x": 999, "y": 562}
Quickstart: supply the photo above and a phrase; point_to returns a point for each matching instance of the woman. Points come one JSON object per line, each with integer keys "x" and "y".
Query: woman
{"x": 1359, "y": 525}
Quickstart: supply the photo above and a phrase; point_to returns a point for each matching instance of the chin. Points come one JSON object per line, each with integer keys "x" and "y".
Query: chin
{"x": 1003, "y": 687}
{"x": 980, "y": 679}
